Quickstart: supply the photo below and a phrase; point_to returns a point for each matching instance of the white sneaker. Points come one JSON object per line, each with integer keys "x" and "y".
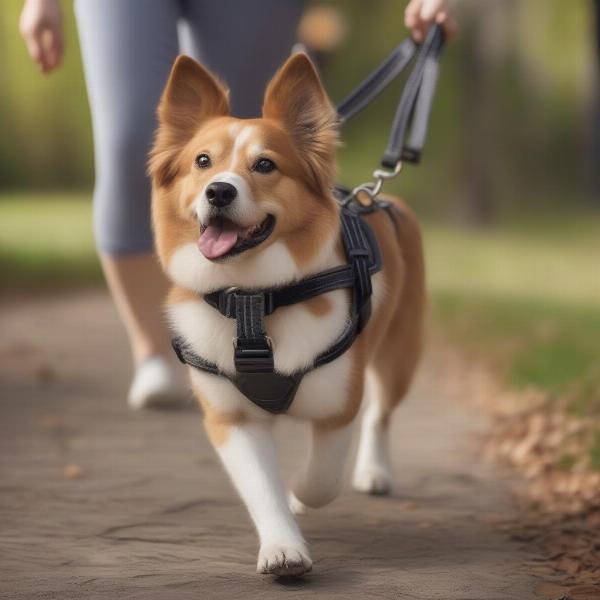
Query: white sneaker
{"x": 157, "y": 384}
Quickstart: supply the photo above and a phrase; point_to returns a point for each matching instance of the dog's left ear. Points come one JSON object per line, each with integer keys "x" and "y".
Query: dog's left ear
{"x": 296, "y": 97}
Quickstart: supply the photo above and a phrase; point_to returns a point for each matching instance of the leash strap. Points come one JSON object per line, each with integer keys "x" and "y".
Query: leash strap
{"x": 415, "y": 104}
{"x": 416, "y": 100}
{"x": 377, "y": 81}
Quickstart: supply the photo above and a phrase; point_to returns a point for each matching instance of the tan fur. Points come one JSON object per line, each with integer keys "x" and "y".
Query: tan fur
{"x": 319, "y": 305}
{"x": 218, "y": 423}
{"x": 355, "y": 390}
{"x": 179, "y": 294}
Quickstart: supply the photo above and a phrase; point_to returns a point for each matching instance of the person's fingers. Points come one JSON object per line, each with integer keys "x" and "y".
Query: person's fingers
{"x": 54, "y": 48}
{"x": 417, "y": 18}
{"x": 420, "y": 15}
{"x": 34, "y": 48}
{"x": 429, "y": 10}
{"x": 411, "y": 14}
{"x": 46, "y": 55}
{"x": 448, "y": 24}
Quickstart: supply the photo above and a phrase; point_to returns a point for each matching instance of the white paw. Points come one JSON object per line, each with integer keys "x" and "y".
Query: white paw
{"x": 373, "y": 480}
{"x": 283, "y": 560}
{"x": 297, "y": 507}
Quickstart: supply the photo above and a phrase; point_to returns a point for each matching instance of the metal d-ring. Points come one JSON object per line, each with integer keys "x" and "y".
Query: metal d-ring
{"x": 372, "y": 188}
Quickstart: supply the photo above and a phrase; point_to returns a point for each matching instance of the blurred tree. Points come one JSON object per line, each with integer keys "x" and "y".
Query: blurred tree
{"x": 484, "y": 28}
{"x": 46, "y": 137}
{"x": 593, "y": 112}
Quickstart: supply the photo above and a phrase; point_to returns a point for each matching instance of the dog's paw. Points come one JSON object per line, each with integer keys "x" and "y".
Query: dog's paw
{"x": 372, "y": 481}
{"x": 283, "y": 560}
{"x": 297, "y": 507}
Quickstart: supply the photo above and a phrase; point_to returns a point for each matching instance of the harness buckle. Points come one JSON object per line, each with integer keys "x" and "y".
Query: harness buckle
{"x": 253, "y": 355}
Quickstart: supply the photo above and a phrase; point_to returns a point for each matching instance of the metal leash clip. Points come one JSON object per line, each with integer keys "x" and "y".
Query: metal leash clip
{"x": 372, "y": 188}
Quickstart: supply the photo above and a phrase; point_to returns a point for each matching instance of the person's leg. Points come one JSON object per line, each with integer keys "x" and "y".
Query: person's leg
{"x": 128, "y": 49}
{"x": 138, "y": 287}
{"x": 244, "y": 43}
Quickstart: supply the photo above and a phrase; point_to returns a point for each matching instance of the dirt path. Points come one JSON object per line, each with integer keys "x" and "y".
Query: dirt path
{"x": 153, "y": 515}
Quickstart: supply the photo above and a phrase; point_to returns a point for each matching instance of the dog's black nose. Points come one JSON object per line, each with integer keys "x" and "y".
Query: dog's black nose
{"x": 220, "y": 193}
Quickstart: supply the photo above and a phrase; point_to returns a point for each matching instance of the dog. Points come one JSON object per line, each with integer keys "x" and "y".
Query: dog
{"x": 249, "y": 204}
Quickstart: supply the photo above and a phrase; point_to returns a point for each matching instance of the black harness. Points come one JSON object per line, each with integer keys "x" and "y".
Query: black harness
{"x": 255, "y": 375}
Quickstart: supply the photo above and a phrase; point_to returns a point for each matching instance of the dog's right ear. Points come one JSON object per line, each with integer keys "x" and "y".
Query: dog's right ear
{"x": 192, "y": 95}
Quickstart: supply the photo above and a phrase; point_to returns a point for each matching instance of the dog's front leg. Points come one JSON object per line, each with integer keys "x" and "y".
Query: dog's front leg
{"x": 248, "y": 453}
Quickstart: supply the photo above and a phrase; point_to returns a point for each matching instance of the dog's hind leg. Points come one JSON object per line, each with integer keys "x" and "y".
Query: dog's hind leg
{"x": 388, "y": 379}
{"x": 322, "y": 480}
{"x": 372, "y": 472}
{"x": 248, "y": 453}
{"x": 391, "y": 369}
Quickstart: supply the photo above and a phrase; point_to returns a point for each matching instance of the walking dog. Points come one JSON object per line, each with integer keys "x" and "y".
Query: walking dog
{"x": 283, "y": 300}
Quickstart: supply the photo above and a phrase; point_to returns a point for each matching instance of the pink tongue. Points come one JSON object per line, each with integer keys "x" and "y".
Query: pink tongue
{"x": 218, "y": 239}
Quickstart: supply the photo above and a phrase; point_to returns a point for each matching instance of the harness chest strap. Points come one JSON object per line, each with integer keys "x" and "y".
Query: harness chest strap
{"x": 255, "y": 375}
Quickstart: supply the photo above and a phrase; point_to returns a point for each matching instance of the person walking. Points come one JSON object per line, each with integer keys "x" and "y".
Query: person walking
{"x": 128, "y": 48}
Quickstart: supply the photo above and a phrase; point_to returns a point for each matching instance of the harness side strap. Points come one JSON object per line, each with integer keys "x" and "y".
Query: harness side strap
{"x": 188, "y": 357}
{"x": 225, "y": 301}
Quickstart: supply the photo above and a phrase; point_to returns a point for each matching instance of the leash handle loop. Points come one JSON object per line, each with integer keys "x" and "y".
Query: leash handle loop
{"x": 413, "y": 109}
{"x": 415, "y": 104}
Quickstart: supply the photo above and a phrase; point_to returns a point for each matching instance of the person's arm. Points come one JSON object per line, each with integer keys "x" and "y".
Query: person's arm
{"x": 421, "y": 14}
{"x": 41, "y": 27}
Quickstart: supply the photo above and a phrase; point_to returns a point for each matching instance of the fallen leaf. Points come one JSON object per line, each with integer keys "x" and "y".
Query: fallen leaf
{"x": 72, "y": 471}
{"x": 585, "y": 592}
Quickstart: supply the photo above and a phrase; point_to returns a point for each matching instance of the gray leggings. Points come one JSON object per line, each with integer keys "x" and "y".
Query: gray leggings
{"x": 128, "y": 48}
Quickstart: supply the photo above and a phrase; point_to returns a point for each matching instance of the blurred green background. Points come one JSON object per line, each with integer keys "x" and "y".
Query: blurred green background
{"x": 511, "y": 127}
{"x": 508, "y": 189}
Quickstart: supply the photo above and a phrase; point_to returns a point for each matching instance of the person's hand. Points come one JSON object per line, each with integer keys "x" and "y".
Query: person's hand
{"x": 421, "y": 14}
{"x": 41, "y": 27}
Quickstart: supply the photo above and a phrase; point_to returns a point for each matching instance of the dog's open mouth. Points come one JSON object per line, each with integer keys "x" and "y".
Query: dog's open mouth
{"x": 221, "y": 238}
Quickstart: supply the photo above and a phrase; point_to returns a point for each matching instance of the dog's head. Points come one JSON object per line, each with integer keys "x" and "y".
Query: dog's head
{"x": 243, "y": 202}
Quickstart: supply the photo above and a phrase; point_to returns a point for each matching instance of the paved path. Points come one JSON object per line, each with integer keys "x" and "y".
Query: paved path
{"x": 153, "y": 515}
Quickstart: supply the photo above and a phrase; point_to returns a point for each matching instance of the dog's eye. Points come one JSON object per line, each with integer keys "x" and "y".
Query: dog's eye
{"x": 264, "y": 165}
{"x": 203, "y": 161}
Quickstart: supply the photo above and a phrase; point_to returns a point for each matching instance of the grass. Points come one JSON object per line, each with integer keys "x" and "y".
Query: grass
{"x": 526, "y": 299}
{"x": 532, "y": 342}
{"x": 46, "y": 240}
